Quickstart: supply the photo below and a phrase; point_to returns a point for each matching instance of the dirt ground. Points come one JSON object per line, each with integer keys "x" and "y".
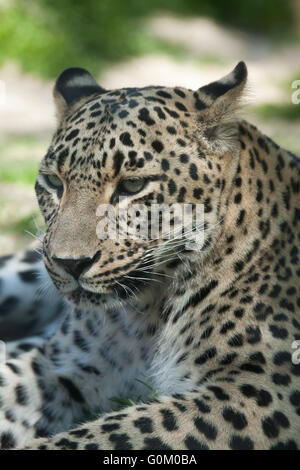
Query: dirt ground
{"x": 27, "y": 116}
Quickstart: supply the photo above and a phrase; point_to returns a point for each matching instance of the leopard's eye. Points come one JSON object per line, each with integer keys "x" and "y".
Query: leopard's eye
{"x": 132, "y": 186}
{"x": 54, "y": 182}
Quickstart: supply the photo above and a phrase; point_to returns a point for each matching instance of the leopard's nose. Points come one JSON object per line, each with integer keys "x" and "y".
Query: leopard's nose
{"x": 76, "y": 266}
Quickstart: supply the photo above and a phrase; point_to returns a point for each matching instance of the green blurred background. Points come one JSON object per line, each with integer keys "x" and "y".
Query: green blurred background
{"x": 127, "y": 43}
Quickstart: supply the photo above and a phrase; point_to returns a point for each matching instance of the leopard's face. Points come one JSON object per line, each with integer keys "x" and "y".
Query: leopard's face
{"x": 123, "y": 148}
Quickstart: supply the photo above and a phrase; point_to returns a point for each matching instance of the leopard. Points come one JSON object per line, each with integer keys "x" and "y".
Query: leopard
{"x": 25, "y": 292}
{"x": 198, "y": 340}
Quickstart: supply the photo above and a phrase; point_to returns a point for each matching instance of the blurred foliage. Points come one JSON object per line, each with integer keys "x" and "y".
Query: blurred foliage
{"x": 46, "y": 36}
{"x": 27, "y": 224}
{"x": 19, "y": 158}
{"x": 288, "y": 112}
{"x": 14, "y": 172}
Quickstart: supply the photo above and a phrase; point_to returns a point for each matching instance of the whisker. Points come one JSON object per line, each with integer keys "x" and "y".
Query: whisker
{"x": 141, "y": 278}
{"x": 126, "y": 288}
{"x": 34, "y": 236}
{"x": 152, "y": 272}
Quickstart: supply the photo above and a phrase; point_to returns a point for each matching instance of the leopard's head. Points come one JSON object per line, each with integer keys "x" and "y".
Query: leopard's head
{"x": 113, "y": 150}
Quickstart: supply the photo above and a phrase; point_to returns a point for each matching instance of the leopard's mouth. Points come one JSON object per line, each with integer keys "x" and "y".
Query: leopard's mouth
{"x": 127, "y": 286}
{"x": 86, "y": 299}
{"x": 124, "y": 288}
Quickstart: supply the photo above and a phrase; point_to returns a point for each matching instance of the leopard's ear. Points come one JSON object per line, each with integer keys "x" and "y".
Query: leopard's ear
{"x": 220, "y": 100}
{"x": 227, "y": 88}
{"x": 71, "y": 87}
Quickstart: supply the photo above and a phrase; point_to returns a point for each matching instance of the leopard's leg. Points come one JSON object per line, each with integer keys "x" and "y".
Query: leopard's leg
{"x": 245, "y": 414}
{"x": 70, "y": 378}
{"x": 15, "y": 349}
{"x": 29, "y": 302}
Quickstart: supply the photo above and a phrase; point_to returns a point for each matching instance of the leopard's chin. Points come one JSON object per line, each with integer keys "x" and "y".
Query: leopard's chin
{"x": 86, "y": 300}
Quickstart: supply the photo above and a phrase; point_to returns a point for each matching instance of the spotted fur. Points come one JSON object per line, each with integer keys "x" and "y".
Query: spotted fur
{"x": 212, "y": 331}
{"x": 25, "y": 293}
